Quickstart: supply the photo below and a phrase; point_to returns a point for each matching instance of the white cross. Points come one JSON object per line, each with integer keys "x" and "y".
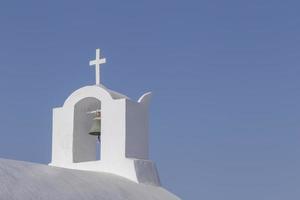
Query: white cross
{"x": 97, "y": 62}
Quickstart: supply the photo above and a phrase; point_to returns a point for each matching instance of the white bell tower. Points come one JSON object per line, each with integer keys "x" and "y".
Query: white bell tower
{"x": 124, "y": 132}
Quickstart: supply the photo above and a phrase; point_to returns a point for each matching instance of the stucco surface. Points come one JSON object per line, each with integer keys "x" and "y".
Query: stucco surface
{"x": 23, "y": 181}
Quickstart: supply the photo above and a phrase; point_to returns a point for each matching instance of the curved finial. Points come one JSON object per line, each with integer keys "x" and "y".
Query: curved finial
{"x": 145, "y": 98}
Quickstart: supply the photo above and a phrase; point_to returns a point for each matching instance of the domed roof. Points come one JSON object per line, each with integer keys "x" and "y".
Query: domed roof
{"x": 23, "y": 180}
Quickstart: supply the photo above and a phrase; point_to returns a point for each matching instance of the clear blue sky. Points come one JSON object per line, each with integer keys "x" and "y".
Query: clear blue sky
{"x": 225, "y": 117}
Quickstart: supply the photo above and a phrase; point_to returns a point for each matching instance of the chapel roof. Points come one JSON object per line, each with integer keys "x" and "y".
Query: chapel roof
{"x": 23, "y": 181}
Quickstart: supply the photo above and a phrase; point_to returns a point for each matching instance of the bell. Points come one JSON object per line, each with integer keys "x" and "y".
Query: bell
{"x": 96, "y": 126}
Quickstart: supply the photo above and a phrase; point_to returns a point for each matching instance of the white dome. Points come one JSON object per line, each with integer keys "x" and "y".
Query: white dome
{"x": 23, "y": 181}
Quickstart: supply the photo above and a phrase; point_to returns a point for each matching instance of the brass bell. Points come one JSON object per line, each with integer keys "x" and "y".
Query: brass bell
{"x": 96, "y": 126}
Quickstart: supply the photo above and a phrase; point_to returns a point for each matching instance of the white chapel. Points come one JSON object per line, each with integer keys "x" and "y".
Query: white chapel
{"x": 100, "y": 151}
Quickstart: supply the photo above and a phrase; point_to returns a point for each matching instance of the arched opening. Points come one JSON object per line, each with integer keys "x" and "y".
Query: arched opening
{"x": 86, "y": 147}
